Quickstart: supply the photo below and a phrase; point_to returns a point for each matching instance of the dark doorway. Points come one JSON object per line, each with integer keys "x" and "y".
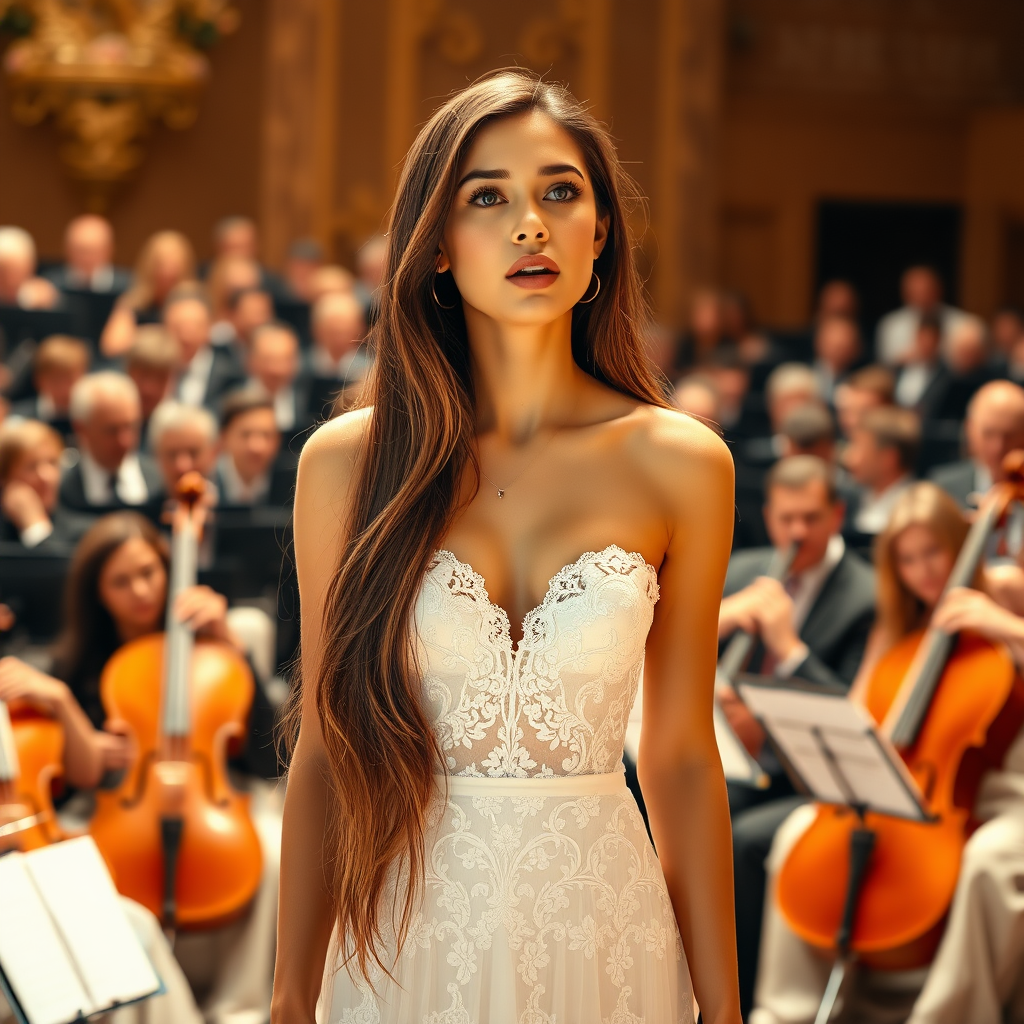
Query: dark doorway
{"x": 871, "y": 244}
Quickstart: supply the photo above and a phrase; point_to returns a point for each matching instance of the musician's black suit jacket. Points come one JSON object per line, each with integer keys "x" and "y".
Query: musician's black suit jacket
{"x": 837, "y": 625}
{"x": 72, "y": 489}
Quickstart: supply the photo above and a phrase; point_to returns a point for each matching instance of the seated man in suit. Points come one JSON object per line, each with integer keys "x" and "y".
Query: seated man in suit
{"x": 788, "y": 387}
{"x": 337, "y": 360}
{"x": 813, "y": 626}
{"x": 107, "y": 416}
{"x": 993, "y": 428}
{"x": 57, "y": 364}
{"x": 19, "y": 284}
{"x": 880, "y": 458}
{"x": 274, "y": 363}
{"x": 864, "y": 389}
{"x": 204, "y": 371}
{"x": 837, "y": 349}
{"x": 30, "y": 454}
{"x": 89, "y": 258}
{"x": 182, "y": 440}
{"x": 152, "y": 362}
{"x": 250, "y": 470}
{"x": 924, "y": 382}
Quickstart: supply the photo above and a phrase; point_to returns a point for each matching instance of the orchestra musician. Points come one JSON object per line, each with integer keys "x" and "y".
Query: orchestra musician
{"x": 116, "y": 592}
{"x": 814, "y": 626}
{"x": 978, "y": 973}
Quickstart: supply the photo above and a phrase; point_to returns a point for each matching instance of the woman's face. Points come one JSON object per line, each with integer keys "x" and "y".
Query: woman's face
{"x": 39, "y": 467}
{"x": 923, "y": 563}
{"x": 524, "y": 230}
{"x": 133, "y": 588}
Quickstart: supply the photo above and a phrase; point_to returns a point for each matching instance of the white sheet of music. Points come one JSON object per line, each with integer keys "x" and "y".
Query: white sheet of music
{"x": 69, "y": 915}
{"x": 33, "y": 956}
{"x": 857, "y": 765}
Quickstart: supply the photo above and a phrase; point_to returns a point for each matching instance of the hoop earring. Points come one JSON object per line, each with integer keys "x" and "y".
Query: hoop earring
{"x": 433, "y": 291}
{"x": 586, "y": 302}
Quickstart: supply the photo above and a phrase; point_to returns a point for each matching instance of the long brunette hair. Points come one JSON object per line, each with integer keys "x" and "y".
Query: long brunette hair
{"x": 383, "y": 755}
{"x": 923, "y": 504}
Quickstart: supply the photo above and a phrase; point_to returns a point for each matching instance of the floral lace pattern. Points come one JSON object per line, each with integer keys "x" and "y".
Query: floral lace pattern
{"x": 543, "y": 901}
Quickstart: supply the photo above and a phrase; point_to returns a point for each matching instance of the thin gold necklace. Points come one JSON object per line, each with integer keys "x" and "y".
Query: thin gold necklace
{"x": 554, "y": 432}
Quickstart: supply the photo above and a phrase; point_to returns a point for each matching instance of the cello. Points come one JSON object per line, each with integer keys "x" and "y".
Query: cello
{"x": 177, "y": 835}
{"x": 951, "y": 707}
{"x": 31, "y": 746}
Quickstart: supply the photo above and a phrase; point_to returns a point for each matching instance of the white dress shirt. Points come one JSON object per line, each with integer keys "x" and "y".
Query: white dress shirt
{"x": 913, "y": 383}
{"x": 875, "y": 509}
{"x": 195, "y": 380}
{"x": 102, "y": 487}
{"x": 235, "y": 490}
{"x": 894, "y": 337}
{"x": 284, "y": 408}
{"x": 100, "y": 280}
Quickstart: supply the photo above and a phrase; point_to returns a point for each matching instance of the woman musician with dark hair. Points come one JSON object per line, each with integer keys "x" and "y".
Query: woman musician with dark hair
{"x": 487, "y": 552}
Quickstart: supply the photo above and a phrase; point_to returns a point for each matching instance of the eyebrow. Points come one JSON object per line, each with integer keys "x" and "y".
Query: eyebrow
{"x": 501, "y": 174}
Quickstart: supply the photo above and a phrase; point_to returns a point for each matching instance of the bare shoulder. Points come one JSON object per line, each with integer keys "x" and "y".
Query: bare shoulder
{"x": 685, "y": 460}
{"x": 327, "y": 465}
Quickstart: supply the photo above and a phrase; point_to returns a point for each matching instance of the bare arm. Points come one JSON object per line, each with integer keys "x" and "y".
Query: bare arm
{"x": 118, "y": 332}
{"x": 305, "y": 915}
{"x": 679, "y": 764}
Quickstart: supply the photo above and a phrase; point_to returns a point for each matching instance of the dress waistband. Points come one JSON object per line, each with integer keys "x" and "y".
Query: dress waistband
{"x": 607, "y": 783}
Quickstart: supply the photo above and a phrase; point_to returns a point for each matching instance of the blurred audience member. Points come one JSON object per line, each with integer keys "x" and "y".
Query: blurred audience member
{"x": 229, "y": 276}
{"x": 235, "y": 236}
{"x": 248, "y": 309}
{"x": 338, "y": 328}
{"x": 183, "y": 440}
{"x": 738, "y": 325}
{"x": 732, "y": 381}
{"x": 371, "y": 262}
{"x": 869, "y": 388}
{"x": 704, "y": 333}
{"x": 166, "y": 261}
{"x": 19, "y": 285}
{"x": 248, "y": 472}
{"x": 880, "y": 458}
{"x": 788, "y": 387}
{"x": 151, "y": 364}
{"x": 107, "y": 416}
{"x": 1006, "y": 330}
{"x": 697, "y": 395}
{"x": 923, "y": 381}
{"x": 994, "y": 427}
{"x": 837, "y": 298}
{"x": 274, "y": 363}
{"x": 204, "y": 372}
{"x": 837, "y": 349}
{"x": 968, "y": 359}
{"x": 30, "y": 454}
{"x": 305, "y": 258}
{"x": 89, "y": 258}
{"x": 57, "y": 364}
{"x": 331, "y": 278}
{"x": 921, "y": 291}
{"x": 809, "y": 430}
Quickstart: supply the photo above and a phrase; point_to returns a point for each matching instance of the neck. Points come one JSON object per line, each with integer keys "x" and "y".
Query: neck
{"x": 525, "y": 377}
{"x": 883, "y": 484}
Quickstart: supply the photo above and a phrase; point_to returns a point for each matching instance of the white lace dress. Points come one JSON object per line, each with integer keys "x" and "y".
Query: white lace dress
{"x": 543, "y": 902}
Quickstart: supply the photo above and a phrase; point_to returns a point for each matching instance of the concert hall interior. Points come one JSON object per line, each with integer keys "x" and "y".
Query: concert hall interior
{"x": 194, "y": 241}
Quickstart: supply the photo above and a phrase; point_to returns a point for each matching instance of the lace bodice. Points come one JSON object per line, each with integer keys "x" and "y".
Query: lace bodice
{"x": 556, "y": 703}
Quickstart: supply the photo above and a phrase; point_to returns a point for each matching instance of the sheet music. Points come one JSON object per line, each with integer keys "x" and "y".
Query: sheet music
{"x": 836, "y": 749}
{"x": 73, "y": 879}
{"x": 32, "y": 953}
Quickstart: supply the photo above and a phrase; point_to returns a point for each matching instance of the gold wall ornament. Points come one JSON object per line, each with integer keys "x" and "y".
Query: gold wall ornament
{"x": 107, "y": 71}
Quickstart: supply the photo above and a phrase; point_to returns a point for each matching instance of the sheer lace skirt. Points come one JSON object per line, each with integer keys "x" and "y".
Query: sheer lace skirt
{"x": 543, "y": 903}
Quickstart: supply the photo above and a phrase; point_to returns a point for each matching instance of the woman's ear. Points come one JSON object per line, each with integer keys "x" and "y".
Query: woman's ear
{"x": 443, "y": 263}
{"x": 601, "y": 233}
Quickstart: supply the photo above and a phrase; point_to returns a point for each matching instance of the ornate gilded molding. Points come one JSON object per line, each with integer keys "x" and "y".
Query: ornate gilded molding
{"x": 107, "y": 70}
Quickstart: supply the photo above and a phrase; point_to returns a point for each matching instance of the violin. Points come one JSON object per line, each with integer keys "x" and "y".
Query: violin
{"x": 177, "y": 835}
{"x": 951, "y": 706}
{"x": 31, "y": 747}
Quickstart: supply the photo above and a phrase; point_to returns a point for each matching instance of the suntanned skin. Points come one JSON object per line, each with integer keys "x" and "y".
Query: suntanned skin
{"x": 583, "y": 467}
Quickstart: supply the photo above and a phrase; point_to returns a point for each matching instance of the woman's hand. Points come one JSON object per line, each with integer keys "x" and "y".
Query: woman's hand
{"x": 20, "y": 681}
{"x": 966, "y": 609}
{"x": 205, "y": 611}
{"x": 117, "y": 745}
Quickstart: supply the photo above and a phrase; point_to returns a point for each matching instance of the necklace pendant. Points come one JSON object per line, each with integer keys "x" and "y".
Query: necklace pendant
{"x": 501, "y": 492}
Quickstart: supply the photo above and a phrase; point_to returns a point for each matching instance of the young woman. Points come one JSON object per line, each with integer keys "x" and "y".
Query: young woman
{"x": 979, "y": 968}
{"x": 456, "y": 814}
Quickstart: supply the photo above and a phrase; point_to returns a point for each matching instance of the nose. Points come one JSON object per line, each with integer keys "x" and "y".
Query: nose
{"x": 531, "y": 226}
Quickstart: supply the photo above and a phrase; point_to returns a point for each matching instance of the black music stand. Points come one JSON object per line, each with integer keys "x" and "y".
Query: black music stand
{"x": 834, "y": 753}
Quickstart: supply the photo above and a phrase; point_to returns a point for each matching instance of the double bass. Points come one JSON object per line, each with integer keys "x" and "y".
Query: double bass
{"x": 31, "y": 748}
{"x": 177, "y": 835}
{"x": 951, "y": 706}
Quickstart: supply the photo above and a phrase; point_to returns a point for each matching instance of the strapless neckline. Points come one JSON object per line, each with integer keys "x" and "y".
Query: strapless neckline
{"x": 551, "y": 593}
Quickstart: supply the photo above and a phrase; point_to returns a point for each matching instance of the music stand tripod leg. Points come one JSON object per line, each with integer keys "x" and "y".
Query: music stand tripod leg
{"x": 862, "y": 842}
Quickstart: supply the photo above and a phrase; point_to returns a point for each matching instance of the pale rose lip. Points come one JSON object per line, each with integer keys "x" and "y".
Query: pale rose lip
{"x": 536, "y": 260}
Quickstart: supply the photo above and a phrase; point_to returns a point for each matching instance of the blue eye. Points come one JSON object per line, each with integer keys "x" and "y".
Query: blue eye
{"x": 563, "y": 192}
{"x": 485, "y": 197}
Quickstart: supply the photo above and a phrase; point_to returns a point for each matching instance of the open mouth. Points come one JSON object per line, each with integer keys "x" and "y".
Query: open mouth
{"x": 534, "y": 271}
